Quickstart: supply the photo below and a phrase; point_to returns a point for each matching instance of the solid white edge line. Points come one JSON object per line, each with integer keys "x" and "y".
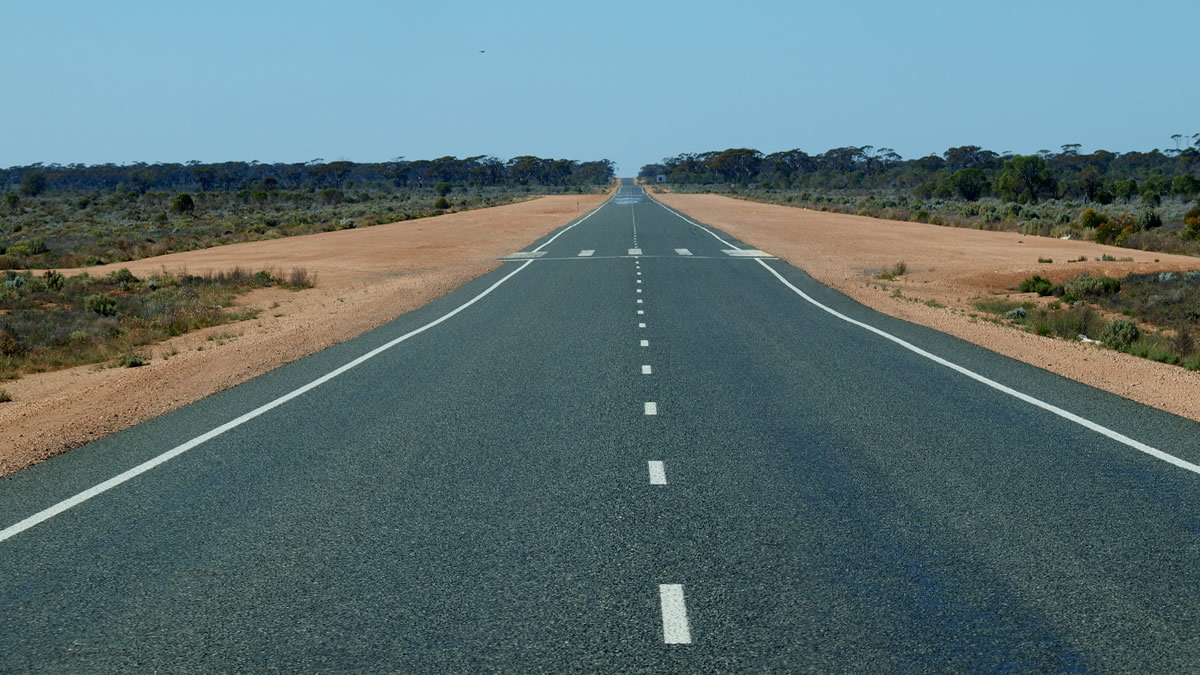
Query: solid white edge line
{"x": 674, "y": 615}
{"x": 1086, "y": 423}
{"x": 651, "y": 408}
{"x": 658, "y": 472}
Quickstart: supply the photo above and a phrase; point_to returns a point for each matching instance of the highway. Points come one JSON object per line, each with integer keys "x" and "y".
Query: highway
{"x": 639, "y": 444}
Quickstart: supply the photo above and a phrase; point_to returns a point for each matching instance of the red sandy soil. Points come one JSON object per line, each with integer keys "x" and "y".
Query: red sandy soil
{"x": 365, "y": 278}
{"x": 954, "y": 267}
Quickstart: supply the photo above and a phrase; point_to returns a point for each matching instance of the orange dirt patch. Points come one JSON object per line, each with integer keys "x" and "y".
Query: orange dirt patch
{"x": 954, "y": 267}
{"x": 365, "y": 278}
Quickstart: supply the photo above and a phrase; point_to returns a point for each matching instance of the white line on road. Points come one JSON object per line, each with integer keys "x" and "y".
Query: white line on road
{"x": 641, "y": 311}
{"x": 658, "y": 473}
{"x": 1100, "y": 429}
{"x": 639, "y": 301}
{"x": 641, "y": 325}
{"x": 587, "y": 253}
{"x": 645, "y": 343}
{"x": 635, "y": 251}
{"x": 683, "y": 251}
{"x": 71, "y": 502}
{"x": 639, "y": 281}
{"x": 674, "y": 615}
{"x": 651, "y": 408}
{"x": 646, "y": 370}
{"x": 639, "y": 290}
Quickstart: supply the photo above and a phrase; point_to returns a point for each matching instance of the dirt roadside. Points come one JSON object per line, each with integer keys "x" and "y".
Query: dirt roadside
{"x": 365, "y": 278}
{"x": 953, "y": 267}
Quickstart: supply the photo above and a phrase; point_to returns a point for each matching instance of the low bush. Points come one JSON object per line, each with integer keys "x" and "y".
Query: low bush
{"x": 1038, "y": 284}
{"x": 1120, "y": 334}
{"x": 1086, "y": 285}
{"x": 101, "y": 303}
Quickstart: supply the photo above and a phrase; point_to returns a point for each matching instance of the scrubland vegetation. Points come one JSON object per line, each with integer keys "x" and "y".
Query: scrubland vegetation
{"x": 1141, "y": 200}
{"x": 53, "y": 321}
{"x": 1110, "y": 311}
{"x": 74, "y": 216}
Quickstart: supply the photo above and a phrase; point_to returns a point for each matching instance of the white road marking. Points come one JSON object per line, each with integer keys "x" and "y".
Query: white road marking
{"x": 683, "y": 251}
{"x": 651, "y": 408}
{"x": 646, "y": 370}
{"x": 524, "y": 255}
{"x": 641, "y": 325}
{"x": 746, "y": 253}
{"x": 587, "y": 253}
{"x": 639, "y": 274}
{"x": 645, "y": 343}
{"x": 639, "y": 301}
{"x": 639, "y": 281}
{"x": 635, "y": 251}
{"x": 1083, "y": 422}
{"x": 639, "y": 290}
{"x": 658, "y": 473}
{"x": 674, "y": 615}
{"x": 641, "y": 311}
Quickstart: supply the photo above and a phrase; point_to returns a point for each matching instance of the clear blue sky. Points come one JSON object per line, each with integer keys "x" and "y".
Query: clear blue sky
{"x": 211, "y": 80}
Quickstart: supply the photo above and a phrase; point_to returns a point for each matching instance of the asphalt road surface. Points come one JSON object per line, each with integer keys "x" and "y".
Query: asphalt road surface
{"x": 638, "y": 445}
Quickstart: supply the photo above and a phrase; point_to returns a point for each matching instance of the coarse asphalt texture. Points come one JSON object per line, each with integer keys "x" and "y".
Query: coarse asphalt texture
{"x": 477, "y": 497}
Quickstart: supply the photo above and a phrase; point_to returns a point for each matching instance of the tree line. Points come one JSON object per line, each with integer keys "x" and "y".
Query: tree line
{"x": 479, "y": 171}
{"x": 966, "y": 172}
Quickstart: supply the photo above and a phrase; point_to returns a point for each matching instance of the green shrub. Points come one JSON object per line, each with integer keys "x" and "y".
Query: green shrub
{"x": 183, "y": 203}
{"x": 131, "y": 361}
{"x": 54, "y": 280}
{"x": 441, "y": 203}
{"x": 122, "y": 276}
{"x": 1086, "y": 285}
{"x": 1120, "y": 334}
{"x": 4, "y": 396}
{"x": 1191, "y": 223}
{"x": 1037, "y": 284}
{"x": 101, "y": 303}
{"x": 1092, "y": 219}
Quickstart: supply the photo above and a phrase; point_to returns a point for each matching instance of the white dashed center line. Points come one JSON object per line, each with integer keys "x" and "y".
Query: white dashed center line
{"x": 651, "y": 408}
{"x": 658, "y": 473}
{"x": 645, "y": 343}
{"x": 635, "y": 251}
{"x": 641, "y": 311}
{"x": 674, "y": 615}
{"x": 640, "y": 301}
{"x": 587, "y": 253}
{"x": 641, "y": 325}
{"x": 683, "y": 251}
{"x": 639, "y": 290}
{"x": 646, "y": 370}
